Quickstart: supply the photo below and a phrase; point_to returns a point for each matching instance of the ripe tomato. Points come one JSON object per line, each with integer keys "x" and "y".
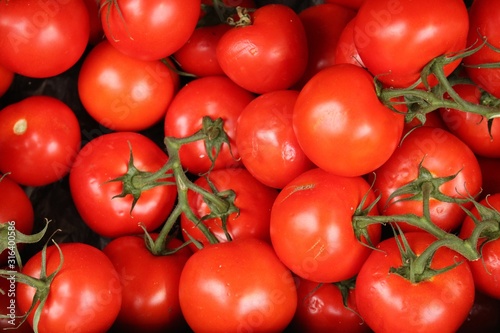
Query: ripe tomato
{"x": 39, "y": 139}
{"x": 237, "y": 286}
{"x": 269, "y": 54}
{"x": 6, "y": 78}
{"x": 253, "y": 199}
{"x": 124, "y": 93}
{"x": 396, "y": 39}
{"x": 311, "y": 226}
{"x": 346, "y": 51}
{"x": 85, "y": 293}
{"x": 486, "y": 270}
{"x": 105, "y": 158}
{"x": 16, "y": 210}
{"x": 266, "y": 141}
{"x": 150, "y": 302}
{"x": 443, "y": 155}
{"x": 213, "y": 96}
{"x": 42, "y": 38}
{"x": 356, "y": 131}
{"x": 484, "y": 19}
{"x": 321, "y": 309}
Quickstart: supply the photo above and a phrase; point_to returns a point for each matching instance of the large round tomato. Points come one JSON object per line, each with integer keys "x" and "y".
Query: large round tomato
{"x": 237, "y": 286}
{"x": 266, "y": 141}
{"x": 311, "y": 226}
{"x": 443, "y": 155}
{"x": 268, "y": 54}
{"x": 253, "y": 199}
{"x": 345, "y": 130}
{"x": 150, "y": 299}
{"x": 39, "y": 139}
{"x": 85, "y": 294}
{"x": 106, "y": 158}
{"x": 124, "y": 93}
{"x": 396, "y": 39}
{"x": 215, "y": 97}
{"x": 390, "y": 303}
{"x": 149, "y": 30}
{"x": 42, "y": 38}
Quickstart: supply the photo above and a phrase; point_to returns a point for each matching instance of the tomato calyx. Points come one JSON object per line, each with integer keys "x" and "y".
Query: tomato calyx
{"x": 243, "y": 18}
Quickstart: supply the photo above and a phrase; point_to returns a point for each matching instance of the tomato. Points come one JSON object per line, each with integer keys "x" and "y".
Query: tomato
{"x": 39, "y": 139}
{"x": 389, "y": 302}
{"x": 237, "y": 286}
{"x": 253, "y": 199}
{"x": 323, "y": 25}
{"x": 354, "y": 4}
{"x": 357, "y": 132}
{"x": 6, "y": 79}
{"x": 150, "y": 302}
{"x": 17, "y": 211}
{"x": 321, "y": 309}
{"x": 443, "y": 155}
{"x": 106, "y": 158}
{"x": 396, "y": 39}
{"x": 484, "y": 19}
{"x": 124, "y": 93}
{"x": 268, "y": 54}
{"x": 311, "y": 226}
{"x": 266, "y": 141}
{"x": 486, "y": 270}
{"x": 213, "y": 96}
{"x": 42, "y": 38}
{"x": 149, "y": 30}
{"x": 9, "y": 306}
{"x": 85, "y": 293}
{"x": 346, "y": 51}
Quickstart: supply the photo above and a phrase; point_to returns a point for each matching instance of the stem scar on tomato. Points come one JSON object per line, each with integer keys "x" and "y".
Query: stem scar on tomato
{"x": 20, "y": 127}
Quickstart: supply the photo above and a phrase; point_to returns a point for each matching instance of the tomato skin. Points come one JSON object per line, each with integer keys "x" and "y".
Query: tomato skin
{"x": 213, "y": 96}
{"x": 237, "y": 286}
{"x": 396, "y": 39}
{"x": 6, "y": 79}
{"x": 105, "y": 158}
{"x": 311, "y": 226}
{"x": 270, "y": 54}
{"x": 253, "y": 199}
{"x": 41, "y": 39}
{"x": 358, "y": 133}
{"x": 38, "y": 133}
{"x": 354, "y": 4}
{"x": 124, "y": 93}
{"x": 443, "y": 154}
{"x": 83, "y": 293}
{"x": 150, "y": 302}
{"x": 266, "y": 141}
{"x": 149, "y": 30}
{"x": 346, "y": 51}
{"x": 390, "y": 303}
{"x": 486, "y": 271}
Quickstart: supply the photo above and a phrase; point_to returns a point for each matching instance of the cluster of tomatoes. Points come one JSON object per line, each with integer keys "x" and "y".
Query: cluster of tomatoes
{"x": 242, "y": 166}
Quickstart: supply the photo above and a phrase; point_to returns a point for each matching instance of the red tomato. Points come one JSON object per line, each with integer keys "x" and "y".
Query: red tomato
{"x": 443, "y": 155}
{"x": 9, "y": 305}
{"x": 39, "y": 139}
{"x": 484, "y": 20}
{"x": 321, "y": 309}
{"x": 124, "y": 93}
{"x": 149, "y": 30}
{"x": 213, "y": 96}
{"x": 346, "y": 51}
{"x": 6, "y": 79}
{"x": 357, "y": 132}
{"x": 253, "y": 199}
{"x": 85, "y": 293}
{"x": 266, "y": 141}
{"x": 17, "y": 211}
{"x": 390, "y": 303}
{"x": 105, "y": 158}
{"x": 269, "y": 54}
{"x": 486, "y": 270}
{"x": 311, "y": 226}
{"x": 354, "y": 4}
{"x": 323, "y": 25}
{"x": 150, "y": 302}
{"x": 238, "y": 286}
{"x": 42, "y": 38}
{"x": 472, "y": 128}
{"x": 396, "y": 39}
